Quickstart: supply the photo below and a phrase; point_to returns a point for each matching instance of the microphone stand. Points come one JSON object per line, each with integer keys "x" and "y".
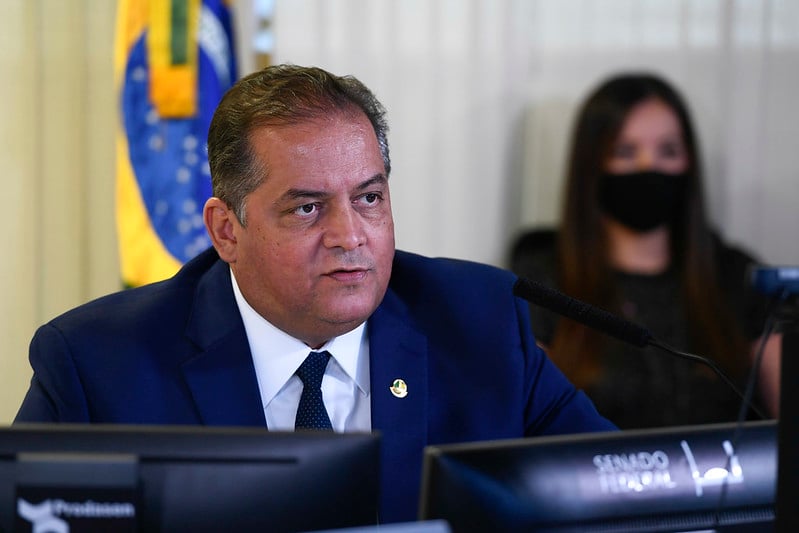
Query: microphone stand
{"x": 787, "y": 514}
{"x": 712, "y": 365}
{"x": 610, "y": 324}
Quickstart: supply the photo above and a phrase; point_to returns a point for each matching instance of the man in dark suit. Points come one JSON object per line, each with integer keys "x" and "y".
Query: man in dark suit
{"x": 425, "y": 351}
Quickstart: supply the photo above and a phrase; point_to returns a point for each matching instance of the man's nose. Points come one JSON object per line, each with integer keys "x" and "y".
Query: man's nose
{"x": 344, "y": 229}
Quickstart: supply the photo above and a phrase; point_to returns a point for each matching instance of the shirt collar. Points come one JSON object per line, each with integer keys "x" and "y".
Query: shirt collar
{"x": 277, "y": 355}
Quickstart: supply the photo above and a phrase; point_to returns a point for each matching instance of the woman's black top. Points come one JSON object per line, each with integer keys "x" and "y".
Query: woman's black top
{"x": 647, "y": 387}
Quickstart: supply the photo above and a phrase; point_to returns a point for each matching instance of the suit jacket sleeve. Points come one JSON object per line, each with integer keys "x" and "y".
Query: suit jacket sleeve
{"x": 55, "y": 393}
{"x": 554, "y": 406}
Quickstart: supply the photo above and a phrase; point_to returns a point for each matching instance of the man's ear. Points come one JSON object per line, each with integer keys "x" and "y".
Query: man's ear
{"x": 222, "y": 225}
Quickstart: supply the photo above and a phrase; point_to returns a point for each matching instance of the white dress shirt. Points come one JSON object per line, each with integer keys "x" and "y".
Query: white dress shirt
{"x": 277, "y": 356}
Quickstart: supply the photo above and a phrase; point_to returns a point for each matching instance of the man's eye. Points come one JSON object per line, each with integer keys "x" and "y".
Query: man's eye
{"x": 306, "y": 209}
{"x": 370, "y": 198}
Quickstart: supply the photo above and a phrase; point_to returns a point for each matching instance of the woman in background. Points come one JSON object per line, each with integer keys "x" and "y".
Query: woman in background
{"x": 634, "y": 239}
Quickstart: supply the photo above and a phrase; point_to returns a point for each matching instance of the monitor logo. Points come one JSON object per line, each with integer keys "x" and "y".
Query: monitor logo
{"x": 634, "y": 472}
{"x": 56, "y": 515}
{"x": 42, "y": 517}
{"x": 730, "y": 473}
{"x": 650, "y": 471}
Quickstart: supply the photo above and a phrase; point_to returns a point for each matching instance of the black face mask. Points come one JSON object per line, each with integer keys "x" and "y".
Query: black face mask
{"x": 642, "y": 201}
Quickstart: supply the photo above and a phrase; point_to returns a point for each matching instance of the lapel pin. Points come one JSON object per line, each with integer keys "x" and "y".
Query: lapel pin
{"x": 399, "y": 388}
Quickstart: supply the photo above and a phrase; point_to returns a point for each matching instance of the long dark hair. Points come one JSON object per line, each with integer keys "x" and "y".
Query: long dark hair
{"x": 584, "y": 270}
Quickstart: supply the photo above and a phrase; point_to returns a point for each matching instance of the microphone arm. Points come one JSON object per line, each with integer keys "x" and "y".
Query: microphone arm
{"x": 610, "y": 324}
{"x": 713, "y": 366}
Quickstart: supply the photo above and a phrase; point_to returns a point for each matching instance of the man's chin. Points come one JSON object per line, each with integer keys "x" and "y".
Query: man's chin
{"x": 348, "y": 309}
{"x": 348, "y": 318}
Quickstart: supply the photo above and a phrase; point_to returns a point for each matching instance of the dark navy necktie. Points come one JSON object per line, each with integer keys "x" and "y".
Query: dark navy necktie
{"x": 311, "y": 414}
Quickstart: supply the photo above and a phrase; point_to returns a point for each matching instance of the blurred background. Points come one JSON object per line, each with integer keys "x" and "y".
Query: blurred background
{"x": 480, "y": 97}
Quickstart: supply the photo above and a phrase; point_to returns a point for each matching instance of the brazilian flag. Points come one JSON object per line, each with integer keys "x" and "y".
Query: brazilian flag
{"x": 174, "y": 59}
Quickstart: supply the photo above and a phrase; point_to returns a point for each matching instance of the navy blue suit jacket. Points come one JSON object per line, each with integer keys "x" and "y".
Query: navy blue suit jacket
{"x": 176, "y": 352}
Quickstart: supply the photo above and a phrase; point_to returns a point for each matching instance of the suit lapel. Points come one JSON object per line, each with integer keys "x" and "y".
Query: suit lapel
{"x": 222, "y": 381}
{"x": 398, "y": 350}
{"x": 221, "y": 376}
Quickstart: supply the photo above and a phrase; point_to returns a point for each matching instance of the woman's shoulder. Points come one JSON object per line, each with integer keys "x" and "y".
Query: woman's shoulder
{"x": 733, "y": 262}
{"x": 534, "y": 238}
{"x": 533, "y": 253}
{"x": 734, "y": 269}
{"x": 729, "y": 250}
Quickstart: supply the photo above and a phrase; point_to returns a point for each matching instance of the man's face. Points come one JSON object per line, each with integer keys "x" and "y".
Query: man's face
{"x": 315, "y": 256}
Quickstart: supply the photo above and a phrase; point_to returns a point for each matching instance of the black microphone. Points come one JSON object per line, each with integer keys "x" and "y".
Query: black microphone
{"x": 610, "y": 324}
{"x": 582, "y": 312}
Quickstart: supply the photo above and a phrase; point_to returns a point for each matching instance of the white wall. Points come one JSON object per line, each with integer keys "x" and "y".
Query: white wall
{"x": 57, "y": 120}
{"x": 480, "y": 95}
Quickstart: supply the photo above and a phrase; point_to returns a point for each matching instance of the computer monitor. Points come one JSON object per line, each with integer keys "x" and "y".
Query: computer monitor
{"x": 714, "y": 477}
{"x": 175, "y": 478}
{"x": 788, "y": 429}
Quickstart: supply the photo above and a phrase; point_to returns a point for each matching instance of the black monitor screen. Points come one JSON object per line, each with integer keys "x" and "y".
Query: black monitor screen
{"x": 169, "y": 478}
{"x": 691, "y": 478}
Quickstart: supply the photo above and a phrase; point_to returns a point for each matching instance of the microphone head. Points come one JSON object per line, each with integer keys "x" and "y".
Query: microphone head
{"x": 582, "y": 312}
{"x": 775, "y": 280}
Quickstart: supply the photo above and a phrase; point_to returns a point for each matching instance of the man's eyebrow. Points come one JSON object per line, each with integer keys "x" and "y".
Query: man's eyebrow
{"x": 294, "y": 194}
{"x": 377, "y": 179}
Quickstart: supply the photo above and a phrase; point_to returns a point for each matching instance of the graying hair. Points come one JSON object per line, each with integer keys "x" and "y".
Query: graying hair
{"x": 279, "y": 95}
